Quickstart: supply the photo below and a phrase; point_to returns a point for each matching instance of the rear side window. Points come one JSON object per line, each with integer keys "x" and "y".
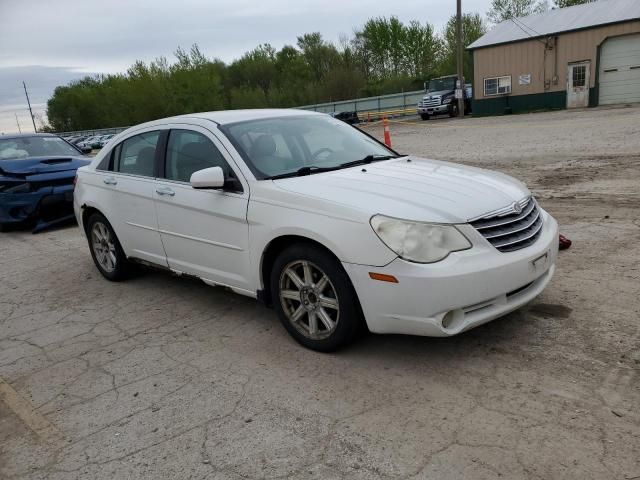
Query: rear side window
{"x": 136, "y": 155}
{"x": 188, "y": 152}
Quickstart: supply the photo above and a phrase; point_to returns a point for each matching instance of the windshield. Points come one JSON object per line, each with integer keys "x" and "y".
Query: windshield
{"x": 23, "y": 147}
{"x": 278, "y": 146}
{"x": 438, "y": 84}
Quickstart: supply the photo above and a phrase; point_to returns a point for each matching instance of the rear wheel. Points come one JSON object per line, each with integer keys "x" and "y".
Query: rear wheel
{"x": 105, "y": 248}
{"x": 314, "y": 298}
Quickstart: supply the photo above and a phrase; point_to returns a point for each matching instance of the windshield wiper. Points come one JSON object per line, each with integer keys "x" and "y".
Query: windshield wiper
{"x": 308, "y": 170}
{"x": 302, "y": 171}
{"x": 366, "y": 160}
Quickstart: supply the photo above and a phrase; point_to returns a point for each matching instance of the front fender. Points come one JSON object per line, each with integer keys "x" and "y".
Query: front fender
{"x": 348, "y": 236}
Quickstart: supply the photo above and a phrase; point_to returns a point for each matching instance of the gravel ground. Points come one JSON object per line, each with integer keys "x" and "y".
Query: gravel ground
{"x": 161, "y": 377}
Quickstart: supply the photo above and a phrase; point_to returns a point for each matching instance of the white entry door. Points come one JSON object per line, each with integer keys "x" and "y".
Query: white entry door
{"x": 578, "y": 85}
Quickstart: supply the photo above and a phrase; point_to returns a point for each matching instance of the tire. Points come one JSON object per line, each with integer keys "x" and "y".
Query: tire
{"x": 453, "y": 110}
{"x": 106, "y": 250}
{"x": 424, "y": 116}
{"x": 331, "y": 317}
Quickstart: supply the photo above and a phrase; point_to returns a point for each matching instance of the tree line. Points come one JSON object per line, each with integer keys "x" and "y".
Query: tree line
{"x": 384, "y": 56}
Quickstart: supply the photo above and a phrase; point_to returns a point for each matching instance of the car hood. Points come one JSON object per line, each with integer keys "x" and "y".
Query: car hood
{"x": 438, "y": 93}
{"x": 413, "y": 188}
{"x": 39, "y": 165}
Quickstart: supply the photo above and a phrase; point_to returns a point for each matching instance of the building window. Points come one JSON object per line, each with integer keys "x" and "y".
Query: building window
{"x": 579, "y": 74}
{"x": 497, "y": 86}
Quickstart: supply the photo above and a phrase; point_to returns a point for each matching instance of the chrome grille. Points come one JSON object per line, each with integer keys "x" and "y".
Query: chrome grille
{"x": 430, "y": 102}
{"x": 512, "y": 231}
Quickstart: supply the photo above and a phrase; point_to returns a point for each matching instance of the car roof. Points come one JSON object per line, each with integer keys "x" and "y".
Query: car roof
{"x": 222, "y": 117}
{"x": 26, "y": 135}
{"x": 231, "y": 116}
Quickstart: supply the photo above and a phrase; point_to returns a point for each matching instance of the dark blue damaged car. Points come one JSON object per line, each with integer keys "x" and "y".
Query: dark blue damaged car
{"x": 37, "y": 172}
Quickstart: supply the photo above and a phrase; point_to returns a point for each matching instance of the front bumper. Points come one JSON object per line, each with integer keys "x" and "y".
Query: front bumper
{"x": 464, "y": 290}
{"x": 47, "y": 206}
{"x": 433, "y": 110}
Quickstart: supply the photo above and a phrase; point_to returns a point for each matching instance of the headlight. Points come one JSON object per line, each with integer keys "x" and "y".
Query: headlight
{"x": 419, "y": 242}
{"x": 446, "y": 101}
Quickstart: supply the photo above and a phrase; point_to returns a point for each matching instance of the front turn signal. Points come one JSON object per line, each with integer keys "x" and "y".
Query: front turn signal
{"x": 383, "y": 277}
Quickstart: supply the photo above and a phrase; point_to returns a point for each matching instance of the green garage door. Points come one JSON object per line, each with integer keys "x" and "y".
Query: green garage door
{"x": 620, "y": 70}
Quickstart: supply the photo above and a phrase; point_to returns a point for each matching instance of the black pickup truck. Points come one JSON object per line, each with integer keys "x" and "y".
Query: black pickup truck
{"x": 440, "y": 98}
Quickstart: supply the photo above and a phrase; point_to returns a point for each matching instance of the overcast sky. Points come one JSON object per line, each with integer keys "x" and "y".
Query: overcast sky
{"x": 51, "y": 42}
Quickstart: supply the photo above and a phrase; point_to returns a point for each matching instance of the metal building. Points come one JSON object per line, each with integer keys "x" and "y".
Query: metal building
{"x": 574, "y": 57}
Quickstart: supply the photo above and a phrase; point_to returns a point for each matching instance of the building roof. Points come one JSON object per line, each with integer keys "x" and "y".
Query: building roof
{"x": 560, "y": 20}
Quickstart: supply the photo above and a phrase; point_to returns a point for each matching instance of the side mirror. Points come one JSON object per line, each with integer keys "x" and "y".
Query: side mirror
{"x": 208, "y": 178}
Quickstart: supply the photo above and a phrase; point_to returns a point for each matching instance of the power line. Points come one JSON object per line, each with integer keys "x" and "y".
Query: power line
{"x": 527, "y": 33}
{"x": 516, "y": 19}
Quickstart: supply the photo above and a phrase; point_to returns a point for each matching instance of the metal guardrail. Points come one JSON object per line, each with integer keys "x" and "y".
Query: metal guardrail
{"x": 367, "y": 108}
{"x": 95, "y": 131}
{"x": 373, "y": 106}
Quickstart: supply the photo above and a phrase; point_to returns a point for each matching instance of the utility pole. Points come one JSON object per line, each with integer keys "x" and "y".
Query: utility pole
{"x": 460, "y": 88}
{"x": 17, "y": 122}
{"x": 30, "y": 111}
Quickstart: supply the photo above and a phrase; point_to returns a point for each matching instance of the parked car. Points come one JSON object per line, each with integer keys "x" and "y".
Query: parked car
{"x": 440, "y": 98}
{"x": 102, "y": 141}
{"x": 78, "y": 139}
{"x": 36, "y": 180}
{"x": 89, "y": 142}
{"x": 319, "y": 220}
{"x": 348, "y": 117}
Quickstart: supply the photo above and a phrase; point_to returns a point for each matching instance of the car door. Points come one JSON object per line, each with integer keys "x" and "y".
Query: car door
{"x": 129, "y": 181}
{"x": 204, "y": 232}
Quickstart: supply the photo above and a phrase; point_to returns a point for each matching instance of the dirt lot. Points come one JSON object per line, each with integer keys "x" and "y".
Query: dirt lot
{"x": 160, "y": 377}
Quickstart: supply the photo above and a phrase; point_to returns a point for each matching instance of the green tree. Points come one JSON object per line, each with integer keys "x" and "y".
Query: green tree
{"x": 321, "y": 56}
{"x": 570, "y": 3}
{"x": 387, "y": 48}
{"x": 506, "y": 9}
{"x": 421, "y": 47}
{"x": 473, "y": 27}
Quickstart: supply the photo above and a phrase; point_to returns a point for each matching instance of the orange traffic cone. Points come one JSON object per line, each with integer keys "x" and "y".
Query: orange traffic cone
{"x": 387, "y": 135}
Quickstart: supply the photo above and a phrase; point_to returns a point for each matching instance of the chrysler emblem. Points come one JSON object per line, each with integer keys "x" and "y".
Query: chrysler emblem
{"x": 516, "y": 207}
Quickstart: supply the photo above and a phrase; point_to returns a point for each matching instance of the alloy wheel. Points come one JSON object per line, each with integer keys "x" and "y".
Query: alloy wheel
{"x": 103, "y": 247}
{"x": 309, "y": 299}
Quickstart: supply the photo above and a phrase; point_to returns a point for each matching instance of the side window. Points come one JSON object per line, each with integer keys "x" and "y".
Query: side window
{"x": 188, "y": 152}
{"x": 108, "y": 163}
{"x": 137, "y": 155}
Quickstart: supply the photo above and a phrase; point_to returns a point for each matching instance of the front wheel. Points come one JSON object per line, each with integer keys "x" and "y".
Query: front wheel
{"x": 314, "y": 298}
{"x": 453, "y": 110}
{"x": 424, "y": 116}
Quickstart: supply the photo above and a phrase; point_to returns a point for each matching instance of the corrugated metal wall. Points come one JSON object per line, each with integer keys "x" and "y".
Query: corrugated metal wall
{"x": 529, "y": 57}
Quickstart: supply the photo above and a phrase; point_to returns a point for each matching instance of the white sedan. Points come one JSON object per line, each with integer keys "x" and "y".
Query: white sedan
{"x": 319, "y": 220}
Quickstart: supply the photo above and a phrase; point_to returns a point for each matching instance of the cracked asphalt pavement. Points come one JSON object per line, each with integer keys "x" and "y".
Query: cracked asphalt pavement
{"x": 161, "y": 377}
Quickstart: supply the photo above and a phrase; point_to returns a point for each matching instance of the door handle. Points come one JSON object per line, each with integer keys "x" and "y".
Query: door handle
{"x": 110, "y": 181}
{"x": 165, "y": 191}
